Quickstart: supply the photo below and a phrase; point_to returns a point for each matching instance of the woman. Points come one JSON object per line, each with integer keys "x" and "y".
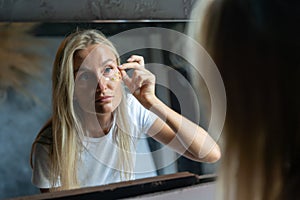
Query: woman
{"x": 255, "y": 44}
{"x": 95, "y": 123}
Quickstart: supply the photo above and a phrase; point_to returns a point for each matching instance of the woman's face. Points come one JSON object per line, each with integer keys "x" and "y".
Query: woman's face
{"x": 98, "y": 86}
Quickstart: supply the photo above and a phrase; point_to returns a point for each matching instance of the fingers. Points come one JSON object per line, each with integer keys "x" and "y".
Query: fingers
{"x": 127, "y": 80}
{"x": 133, "y": 65}
{"x": 137, "y": 79}
{"x": 136, "y": 58}
{"x": 140, "y": 75}
{"x": 137, "y": 64}
{"x": 134, "y": 62}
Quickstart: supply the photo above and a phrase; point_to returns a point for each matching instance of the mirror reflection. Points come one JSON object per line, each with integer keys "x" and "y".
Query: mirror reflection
{"x": 111, "y": 72}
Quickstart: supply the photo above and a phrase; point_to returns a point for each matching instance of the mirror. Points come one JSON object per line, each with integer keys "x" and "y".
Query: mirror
{"x": 25, "y": 92}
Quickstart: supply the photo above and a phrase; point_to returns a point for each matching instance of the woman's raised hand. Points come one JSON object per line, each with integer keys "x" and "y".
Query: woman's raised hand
{"x": 142, "y": 82}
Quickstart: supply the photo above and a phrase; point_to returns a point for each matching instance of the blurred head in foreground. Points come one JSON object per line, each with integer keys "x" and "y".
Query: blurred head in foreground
{"x": 255, "y": 44}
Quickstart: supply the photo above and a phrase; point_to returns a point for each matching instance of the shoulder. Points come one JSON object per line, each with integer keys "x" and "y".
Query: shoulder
{"x": 133, "y": 104}
{"x": 43, "y": 144}
{"x": 139, "y": 115}
{"x": 130, "y": 99}
{"x": 134, "y": 107}
{"x": 45, "y": 136}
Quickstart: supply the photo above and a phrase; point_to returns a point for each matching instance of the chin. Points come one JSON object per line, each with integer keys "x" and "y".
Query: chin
{"x": 104, "y": 109}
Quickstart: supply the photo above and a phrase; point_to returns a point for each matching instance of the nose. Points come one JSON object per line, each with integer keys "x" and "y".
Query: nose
{"x": 102, "y": 83}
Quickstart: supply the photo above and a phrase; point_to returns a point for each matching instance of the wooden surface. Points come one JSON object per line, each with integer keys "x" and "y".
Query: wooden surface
{"x": 129, "y": 188}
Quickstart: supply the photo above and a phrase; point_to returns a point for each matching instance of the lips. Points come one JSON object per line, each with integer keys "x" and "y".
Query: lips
{"x": 103, "y": 99}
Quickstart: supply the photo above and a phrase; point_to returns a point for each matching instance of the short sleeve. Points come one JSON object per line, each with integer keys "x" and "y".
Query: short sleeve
{"x": 41, "y": 160}
{"x": 148, "y": 119}
{"x": 139, "y": 115}
{"x": 41, "y": 167}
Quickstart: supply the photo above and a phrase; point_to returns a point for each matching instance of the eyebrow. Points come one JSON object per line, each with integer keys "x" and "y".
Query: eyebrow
{"x": 108, "y": 60}
{"x": 83, "y": 68}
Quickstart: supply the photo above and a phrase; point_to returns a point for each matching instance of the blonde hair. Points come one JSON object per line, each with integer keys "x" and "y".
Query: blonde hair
{"x": 259, "y": 65}
{"x": 67, "y": 129}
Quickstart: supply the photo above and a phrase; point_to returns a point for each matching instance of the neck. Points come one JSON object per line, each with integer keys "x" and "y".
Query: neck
{"x": 98, "y": 125}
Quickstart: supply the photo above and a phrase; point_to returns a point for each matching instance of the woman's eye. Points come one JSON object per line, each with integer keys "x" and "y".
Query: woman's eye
{"x": 84, "y": 76}
{"x": 107, "y": 71}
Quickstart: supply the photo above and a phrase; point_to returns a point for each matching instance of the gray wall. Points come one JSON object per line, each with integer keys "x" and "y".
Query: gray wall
{"x": 20, "y": 120}
{"x": 77, "y": 10}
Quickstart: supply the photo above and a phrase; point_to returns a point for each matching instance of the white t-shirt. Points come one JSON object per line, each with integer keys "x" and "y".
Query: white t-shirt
{"x": 98, "y": 160}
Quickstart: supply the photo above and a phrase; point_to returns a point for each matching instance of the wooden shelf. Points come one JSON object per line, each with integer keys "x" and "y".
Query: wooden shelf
{"x": 129, "y": 188}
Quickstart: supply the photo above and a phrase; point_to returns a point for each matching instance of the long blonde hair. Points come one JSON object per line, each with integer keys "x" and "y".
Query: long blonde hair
{"x": 67, "y": 129}
{"x": 255, "y": 49}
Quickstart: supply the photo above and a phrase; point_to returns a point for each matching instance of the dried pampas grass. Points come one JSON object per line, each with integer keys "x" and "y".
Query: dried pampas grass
{"x": 19, "y": 60}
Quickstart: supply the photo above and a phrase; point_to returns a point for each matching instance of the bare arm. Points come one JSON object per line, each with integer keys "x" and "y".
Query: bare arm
{"x": 171, "y": 129}
{"x": 182, "y": 135}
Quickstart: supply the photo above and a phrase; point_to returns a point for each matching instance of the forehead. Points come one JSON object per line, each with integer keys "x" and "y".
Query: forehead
{"x": 93, "y": 55}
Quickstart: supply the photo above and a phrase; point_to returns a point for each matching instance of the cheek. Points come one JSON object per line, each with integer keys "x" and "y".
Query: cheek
{"x": 118, "y": 93}
{"x": 84, "y": 88}
{"x": 83, "y": 97}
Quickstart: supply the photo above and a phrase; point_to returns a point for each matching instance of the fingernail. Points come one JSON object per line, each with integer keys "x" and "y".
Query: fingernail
{"x": 120, "y": 66}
